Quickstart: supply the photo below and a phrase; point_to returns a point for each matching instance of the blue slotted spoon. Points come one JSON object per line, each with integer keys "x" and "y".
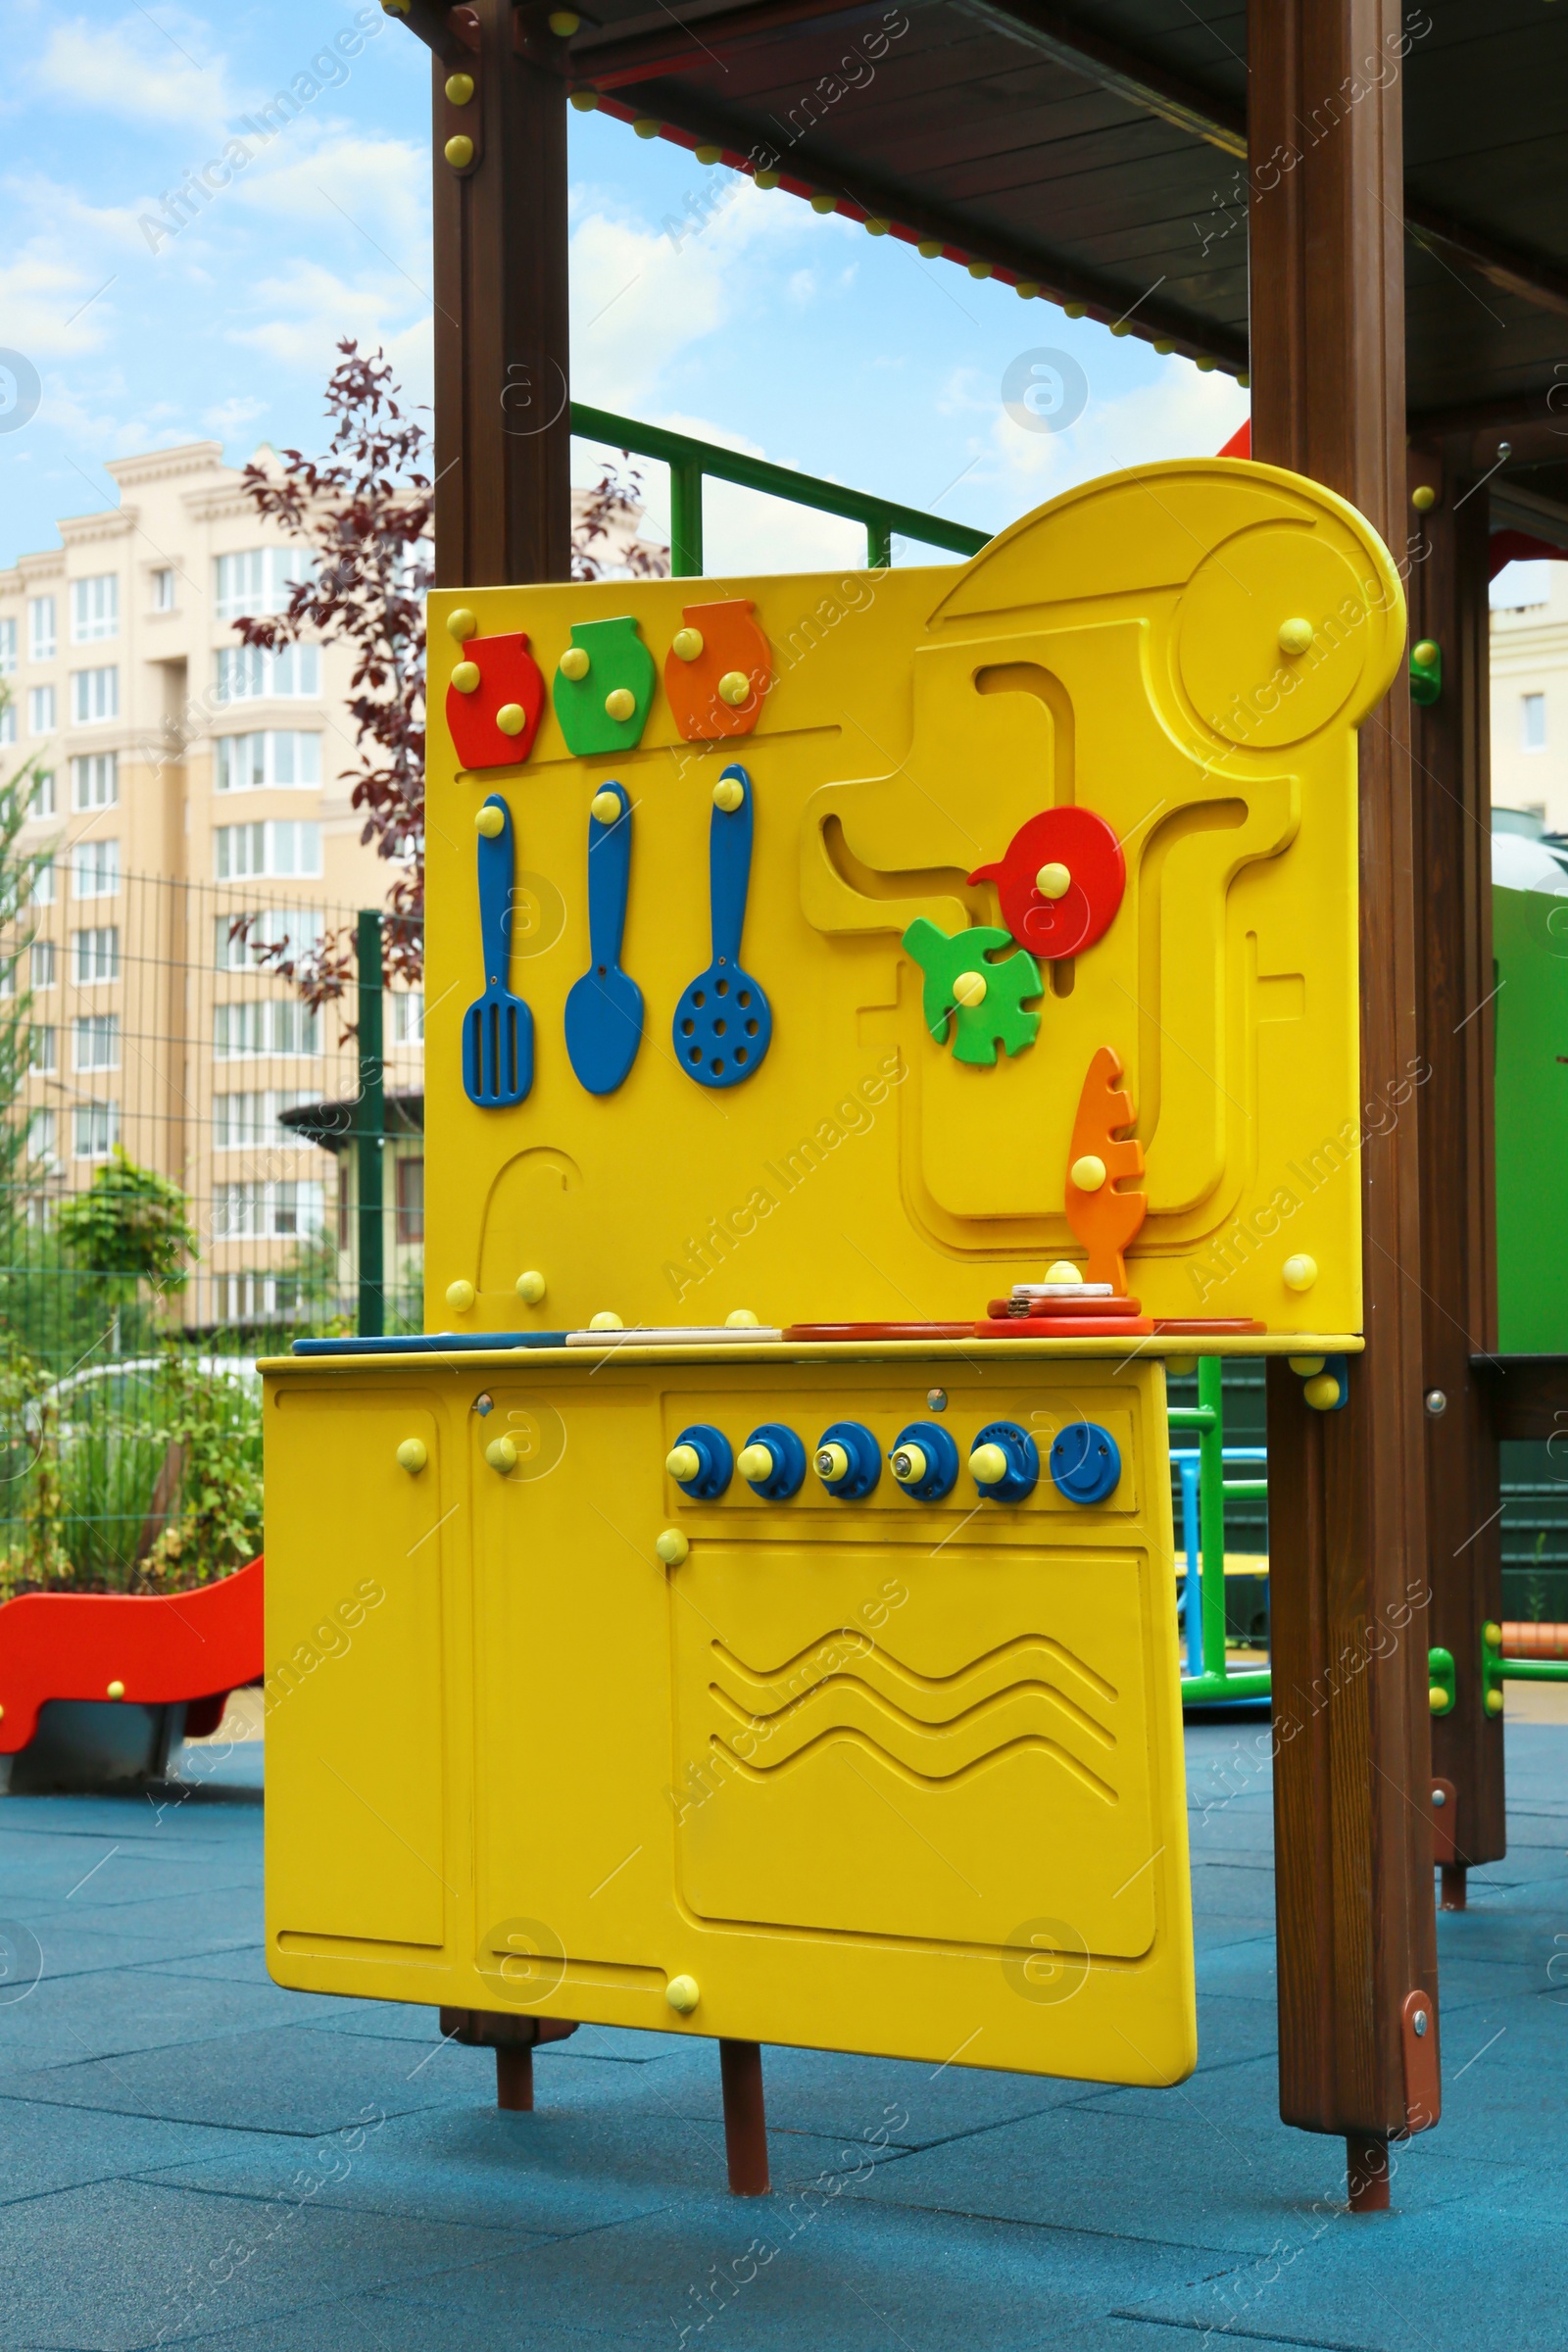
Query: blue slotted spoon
{"x": 723, "y": 1022}
{"x": 497, "y": 1029}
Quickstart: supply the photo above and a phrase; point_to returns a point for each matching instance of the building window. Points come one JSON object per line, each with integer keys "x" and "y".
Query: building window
{"x": 8, "y": 723}
{"x": 95, "y": 696}
{"x": 282, "y": 847}
{"x": 248, "y": 673}
{"x": 42, "y": 893}
{"x": 8, "y": 974}
{"x": 96, "y": 955}
{"x": 164, "y": 591}
{"x": 293, "y": 928}
{"x": 41, "y": 642}
{"x": 407, "y": 1016}
{"x": 8, "y": 649}
{"x": 95, "y": 609}
{"x": 41, "y": 1136}
{"x": 96, "y": 1042}
{"x": 95, "y": 1129}
{"x": 410, "y": 1199}
{"x": 249, "y": 1122}
{"x": 40, "y": 709}
{"x": 95, "y": 870}
{"x": 42, "y": 801}
{"x": 257, "y": 584}
{"x": 44, "y": 1047}
{"x": 279, "y": 759}
{"x": 251, "y": 1211}
{"x": 41, "y": 964}
{"x": 1533, "y": 723}
{"x": 280, "y": 1026}
{"x": 96, "y": 780}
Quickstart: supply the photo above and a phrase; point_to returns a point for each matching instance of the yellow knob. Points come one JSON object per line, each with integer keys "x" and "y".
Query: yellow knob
{"x": 1323, "y": 1393}
{"x": 988, "y": 1464}
{"x": 929, "y": 248}
{"x": 462, "y": 624}
{"x": 585, "y": 101}
{"x": 606, "y": 805}
{"x": 574, "y": 661}
{"x": 682, "y": 1994}
{"x": 908, "y": 1464}
{"x": 979, "y": 269}
{"x": 683, "y": 1462}
{"x": 465, "y": 677}
{"x": 459, "y": 151}
{"x": 412, "y": 1454}
{"x": 460, "y": 1295}
{"x": 1299, "y": 1272}
{"x": 490, "y": 821}
{"x": 620, "y": 703}
{"x": 741, "y": 1318}
{"x": 116, "y": 1691}
{"x": 708, "y": 155}
{"x": 1065, "y": 1271}
{"x": 1053, "y": 881}
{"x": 729, "y": 794}
{"x": 734, "y": 688}
{"x": 831, "y": 1462}
{"x": 824, "y": 204}
{"x": 687, "y": 644}
{"x": 1494, "y": 1702}
{"x": 755, "y": 1463}
{"x": 1089, "y": 1172}
{"x": 460, "y": 88}
{"x": 671, "y": 1546}
{"x": 1423, "y": 498}
{"x": 1180, "y": 1367}
{"x": 1026, "y": 289}
{"x": 1306, "y": 1365}
{"x": 970, "y": 988}
{"x": 512, "y": 718}
{"x": 1425, "y": 653}
{"x": 562, "y": 23}
{"x": 1295, "y": 636}
{"x": 606, "y": 1319}
{"x": 1437, "y": 1699}
{"x": 647, "y": 127}
{"x": 764, "y": 179}
{"x": 877, "y": 228}
{"x": 502, "y": 1455}
{"x": 530, "y": 1287}
{"x": 1491, "y": 1634}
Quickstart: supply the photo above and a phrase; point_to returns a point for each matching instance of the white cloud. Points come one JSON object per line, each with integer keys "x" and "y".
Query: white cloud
{"x": 138, "y": 70}
{"x": 1182, "y": 414}
{"x": 377, "y": 189}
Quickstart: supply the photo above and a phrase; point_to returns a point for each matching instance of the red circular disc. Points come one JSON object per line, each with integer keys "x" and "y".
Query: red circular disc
{"x": 1086, "y": 845}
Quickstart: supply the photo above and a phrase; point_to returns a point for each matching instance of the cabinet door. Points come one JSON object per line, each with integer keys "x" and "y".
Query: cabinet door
{"x": 354, "y": 1668}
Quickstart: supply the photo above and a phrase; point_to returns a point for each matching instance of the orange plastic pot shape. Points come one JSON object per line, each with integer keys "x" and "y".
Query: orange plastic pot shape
{"x": 718, "y": 670}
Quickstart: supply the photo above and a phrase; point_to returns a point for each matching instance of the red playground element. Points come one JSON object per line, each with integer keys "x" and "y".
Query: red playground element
{"x": 733, "y": 647}
{"x": 510, "y": 679}
{"x": 1102, "y": 1219}
{"x": 1064, "y": 917}
{"x": 1239, "y": 444}
{"x": 1064, "y": 1327}
{"x": 190, "y": 1648}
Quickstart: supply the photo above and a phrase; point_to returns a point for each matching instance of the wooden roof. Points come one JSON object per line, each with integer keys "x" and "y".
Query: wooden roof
{"x": 1100, "y": 153}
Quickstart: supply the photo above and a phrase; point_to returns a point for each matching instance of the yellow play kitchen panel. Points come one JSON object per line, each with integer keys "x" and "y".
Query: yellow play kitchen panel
{"x": 893, "y": 1770}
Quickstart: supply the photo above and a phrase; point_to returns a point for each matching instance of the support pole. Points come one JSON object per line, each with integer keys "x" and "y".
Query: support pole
{"x": 740, "y": 2067}
{"x": 514, "y": 2079}
{"x": 1354, "y": 1887}
{"x": 369, "y": 1133}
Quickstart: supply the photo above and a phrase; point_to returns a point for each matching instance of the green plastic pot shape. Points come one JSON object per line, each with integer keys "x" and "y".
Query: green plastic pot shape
{"x": 604, "y": 688}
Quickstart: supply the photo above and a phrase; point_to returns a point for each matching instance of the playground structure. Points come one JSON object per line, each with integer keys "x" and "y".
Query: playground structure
{"x": 1409, "y": 1428}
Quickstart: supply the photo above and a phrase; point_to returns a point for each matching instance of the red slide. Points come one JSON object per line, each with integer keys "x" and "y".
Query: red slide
{"x": 191, "y": 1646}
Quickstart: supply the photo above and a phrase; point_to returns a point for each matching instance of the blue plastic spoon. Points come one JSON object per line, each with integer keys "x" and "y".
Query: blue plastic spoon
{"x": 604, "y": 1016}
{"x": 723, "y": 1022}
{"x": 497, "y": 1029}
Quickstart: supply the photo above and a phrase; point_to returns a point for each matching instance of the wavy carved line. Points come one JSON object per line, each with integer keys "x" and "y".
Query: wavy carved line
{"x": 931, "y": 1727}
{"x": 921, "y": 1779}
{"x": 1019, "y": 1644}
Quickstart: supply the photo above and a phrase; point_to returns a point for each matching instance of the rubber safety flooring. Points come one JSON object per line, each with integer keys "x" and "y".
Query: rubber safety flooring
{"x": 190, "y": 2156}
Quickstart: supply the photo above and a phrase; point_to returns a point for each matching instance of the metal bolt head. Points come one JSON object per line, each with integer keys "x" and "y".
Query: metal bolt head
{"x": 1439, "y": 1797}
{"x": 1418, "y": 2023}
{"x": 936, "y": 1401}
{"x": 1437, "y": 1403}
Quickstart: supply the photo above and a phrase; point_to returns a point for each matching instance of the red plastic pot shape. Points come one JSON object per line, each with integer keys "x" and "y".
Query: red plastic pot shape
{"x": 718, "y": 672}
{"x": 495, "y": 702}
{"x": 1060, "y": 882}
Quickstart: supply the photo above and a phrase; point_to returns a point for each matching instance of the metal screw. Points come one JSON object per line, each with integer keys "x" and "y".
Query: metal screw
{"x": 1505, "y": 449}
{"x": 1439, "y": 1797}
{"x": 1437, "y": 1403}
{"x": 1419, "y": 2023}
{"x": 936, "y": 1401}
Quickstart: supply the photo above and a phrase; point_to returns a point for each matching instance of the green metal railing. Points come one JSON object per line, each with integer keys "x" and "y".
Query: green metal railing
{"x": 690, "y": 462}
{"x": 1205, "y": 1419}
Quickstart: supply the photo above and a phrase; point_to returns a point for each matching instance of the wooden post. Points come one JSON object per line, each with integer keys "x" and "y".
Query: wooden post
{"x": 740, "y": 2067}
{"x": 1452, "y": 807}
{"x": 503, "y": 427}
{"x": 1348, "y": 1489}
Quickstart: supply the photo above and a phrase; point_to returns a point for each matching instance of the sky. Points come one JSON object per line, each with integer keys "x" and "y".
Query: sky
{"x": 698, "y": 301}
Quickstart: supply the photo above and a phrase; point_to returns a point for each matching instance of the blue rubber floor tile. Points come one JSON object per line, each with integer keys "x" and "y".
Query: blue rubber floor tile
{"x": 51, "y": 2148}
{"x": 243, "y": 1963}
{"x": 129, "y": 2009}
{"x": 70, "y": 1949}
{"x": 131, "y": 2263}
{"x": 277, "y": 2079}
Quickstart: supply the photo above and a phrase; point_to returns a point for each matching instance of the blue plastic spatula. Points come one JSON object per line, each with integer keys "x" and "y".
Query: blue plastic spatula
{"x": 497, "y": 1030}
{"x": 723, "y": 1022}
{"x": 603, "y": 1017}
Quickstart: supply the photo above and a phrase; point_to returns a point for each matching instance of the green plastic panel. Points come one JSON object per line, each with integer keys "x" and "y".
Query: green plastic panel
{"x": 1530, "y": 944}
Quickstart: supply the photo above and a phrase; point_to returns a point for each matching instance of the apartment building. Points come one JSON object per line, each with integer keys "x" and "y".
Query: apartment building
{"x": 185, "y": 781}
{"x": 1530, "y": 694}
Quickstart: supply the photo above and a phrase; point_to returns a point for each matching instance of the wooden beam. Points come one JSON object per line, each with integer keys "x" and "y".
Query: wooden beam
{"x": 616, "y": 59}
{"x": 503, "y": 429}
{"x": 1353, "y": 1886}
{"x": 1528, "y": 1396}
{"x": 1451, "y": 754}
